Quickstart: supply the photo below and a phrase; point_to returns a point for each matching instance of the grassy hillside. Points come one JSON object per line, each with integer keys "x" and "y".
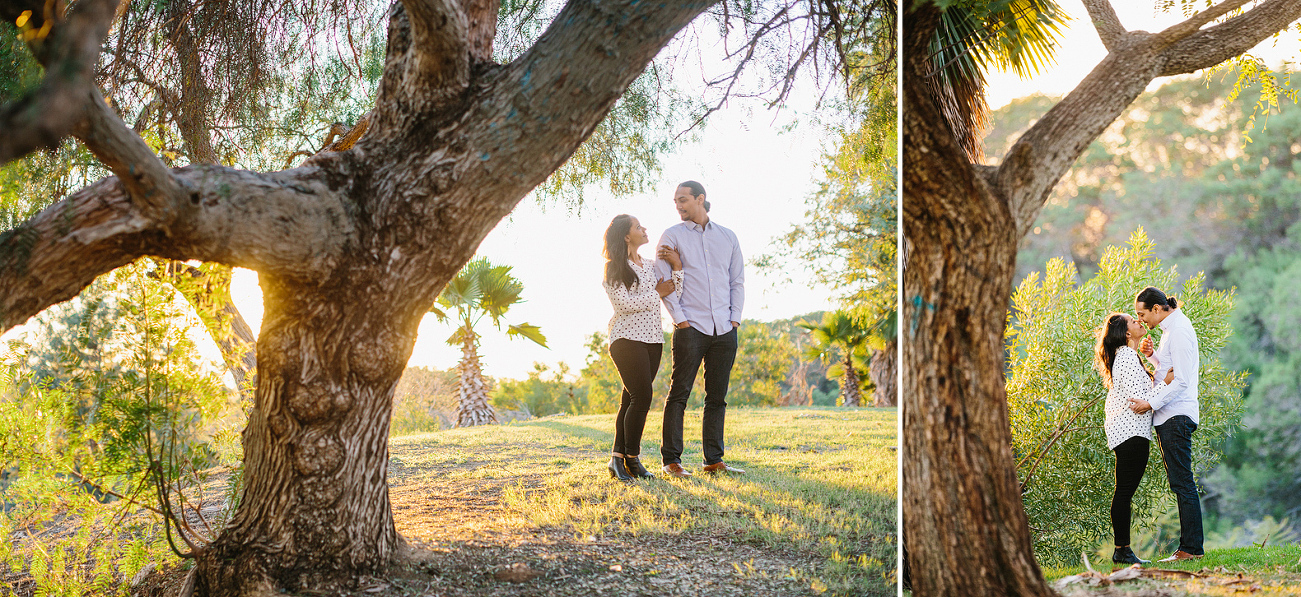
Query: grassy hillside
{"x": 814, "y": 514}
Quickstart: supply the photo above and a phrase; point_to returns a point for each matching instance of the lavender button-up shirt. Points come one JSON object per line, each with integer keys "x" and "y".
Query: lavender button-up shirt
{"x": 713, "y": 291}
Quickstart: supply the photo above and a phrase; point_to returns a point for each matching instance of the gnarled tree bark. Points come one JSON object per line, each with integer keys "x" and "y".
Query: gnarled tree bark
{"x": 352, "y": 247}
{"x": 964, "y": 524}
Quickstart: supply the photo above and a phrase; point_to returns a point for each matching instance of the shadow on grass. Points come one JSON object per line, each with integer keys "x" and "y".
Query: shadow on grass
{"x": 832, "y": 509}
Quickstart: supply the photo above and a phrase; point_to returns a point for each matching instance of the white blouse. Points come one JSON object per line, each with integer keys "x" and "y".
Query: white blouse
{"x": 637, "y": 309}
{"x": 1128, "y": 380}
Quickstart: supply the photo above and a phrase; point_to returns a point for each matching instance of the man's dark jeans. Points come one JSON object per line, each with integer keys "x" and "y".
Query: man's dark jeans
{"x": 1176, "y": 435}
{"x": 690, "y": 348}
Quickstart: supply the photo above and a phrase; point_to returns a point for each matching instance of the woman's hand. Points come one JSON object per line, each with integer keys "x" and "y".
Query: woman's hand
{"x": 664, "y": 287}
{"x": 1139, "y": 406}
{"x": 1169, "y": 376}
{"x": 670, "y": 255}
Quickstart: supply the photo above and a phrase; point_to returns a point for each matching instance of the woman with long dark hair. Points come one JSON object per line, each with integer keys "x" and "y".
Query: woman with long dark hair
{"x": 1129, "y": 434}
{"x": 636, "y": 334}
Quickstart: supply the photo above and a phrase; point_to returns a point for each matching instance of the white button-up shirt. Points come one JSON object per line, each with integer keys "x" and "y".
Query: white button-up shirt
{"x": 1178, "y": 350}
{"x": 637, "y": 309}
{"x": 714, "y": 290}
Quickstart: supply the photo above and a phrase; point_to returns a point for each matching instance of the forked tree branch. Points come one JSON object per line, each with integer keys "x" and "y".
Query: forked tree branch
{"x": 68, "y": 47}
{"x": 160, "y": 197}
{"x": 1105, "y": 21}
{"x": 1047, "y": 150}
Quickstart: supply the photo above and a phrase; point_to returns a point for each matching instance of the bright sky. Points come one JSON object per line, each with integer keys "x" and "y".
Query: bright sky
{"x": 1081, "y": 50}
{"x": 756, "y": 178}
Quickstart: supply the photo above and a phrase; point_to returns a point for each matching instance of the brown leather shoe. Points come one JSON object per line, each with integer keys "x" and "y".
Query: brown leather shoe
{"x": 676, "y": 470}
{"x": 722, "y": 467}
{"x": 1180, "y": 555}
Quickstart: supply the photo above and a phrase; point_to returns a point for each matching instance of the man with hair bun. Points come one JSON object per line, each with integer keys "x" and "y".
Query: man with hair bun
{"x": 1175, "y": 409}
{"x": 706, "y": 315}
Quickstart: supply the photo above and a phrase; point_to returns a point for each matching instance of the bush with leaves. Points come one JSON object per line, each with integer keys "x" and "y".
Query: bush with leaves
{"x": 545, "y": 392}
{"x": 1056, "y": 396}
{"x": 110, "y": 417}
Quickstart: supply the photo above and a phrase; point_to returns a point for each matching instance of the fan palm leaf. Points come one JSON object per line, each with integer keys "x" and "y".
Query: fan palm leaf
{"x": 976, "y": 35}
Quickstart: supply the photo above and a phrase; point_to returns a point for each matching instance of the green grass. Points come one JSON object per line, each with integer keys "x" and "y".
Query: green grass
{"x": 1249, "y": 560}
{"x": 820, "y": 485}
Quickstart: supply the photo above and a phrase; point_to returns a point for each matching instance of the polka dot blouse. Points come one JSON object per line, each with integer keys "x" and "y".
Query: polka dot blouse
{"x": 1128, "y": 380}
{"x": 637, "y": 310}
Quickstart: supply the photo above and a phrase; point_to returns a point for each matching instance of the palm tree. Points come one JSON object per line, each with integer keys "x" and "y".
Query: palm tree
{"x": 840, "y": 333}
{"x": 480, "y": 289}
{"x": 974, "y": 36}
{"x": 884, "y": 342}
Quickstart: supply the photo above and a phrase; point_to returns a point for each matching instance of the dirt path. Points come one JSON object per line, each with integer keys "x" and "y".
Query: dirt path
{"x": 466, "y": 542}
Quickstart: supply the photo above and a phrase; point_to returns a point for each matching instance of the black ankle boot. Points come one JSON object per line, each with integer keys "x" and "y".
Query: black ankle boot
{"x": 618, "y": 470}
{"x": 633, "y": 465}
{"x": 1125, "y": 555}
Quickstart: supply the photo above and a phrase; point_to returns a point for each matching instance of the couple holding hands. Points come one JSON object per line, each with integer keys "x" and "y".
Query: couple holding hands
{"x": 699, "y": 278}
{"x": 1138, "y": 399}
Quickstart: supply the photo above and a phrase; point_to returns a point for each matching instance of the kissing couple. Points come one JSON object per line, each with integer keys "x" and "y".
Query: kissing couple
{"x": 1140, "y": 398}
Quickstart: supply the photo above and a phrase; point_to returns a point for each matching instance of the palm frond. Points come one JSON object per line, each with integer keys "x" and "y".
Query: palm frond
{"x": 532, "y": 332}
{"x": 973, "y": 37}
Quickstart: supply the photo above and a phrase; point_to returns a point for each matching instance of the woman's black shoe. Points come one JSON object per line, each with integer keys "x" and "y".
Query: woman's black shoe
{"x": 633, "y": 465}
{"x": 618, "y": 470}
{"x": 1125, "y": 555}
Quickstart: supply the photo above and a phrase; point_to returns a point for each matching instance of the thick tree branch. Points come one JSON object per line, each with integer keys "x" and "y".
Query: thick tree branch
{"x": 534, "y": 114}
{"x": 1105, "y": 21}
{"x": 1190, "y": 25}
{"x": 482, "y": 30}
{"x": 1214, "y": 45}
{"x": 1044, "y": 153}
{"x": 439, "y": 52}
{"x": 288, "y": 223}
{"x": 159, "y": 195}
{"x": 68, "y": 49}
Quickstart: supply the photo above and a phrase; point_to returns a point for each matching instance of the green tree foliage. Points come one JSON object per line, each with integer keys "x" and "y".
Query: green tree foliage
{"x": 104, "y": 402}
{"x": 1259, "y": 477}
{"x": 1178, "y": 164}
{"x": 765, "y": 358}
{"x": 546, "y": 392}
{"x": 1056, "y": 396}
{"x": 976, "y": 35}
{"x": 480, "y": 290}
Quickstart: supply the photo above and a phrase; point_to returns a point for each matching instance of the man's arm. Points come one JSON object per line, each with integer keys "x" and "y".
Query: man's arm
{"x": 1183, "y": 361}
{"x": 663, "y": 271}
{"x": 736, "y": 280}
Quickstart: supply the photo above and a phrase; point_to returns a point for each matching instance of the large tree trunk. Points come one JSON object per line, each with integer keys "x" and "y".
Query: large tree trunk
{"x": 315, "y": 511}
{"x": 473, "y": 407}
{"x": 964, "y": 523}
{"x": 351, "y": 247}
{"x": 884, "y": 373}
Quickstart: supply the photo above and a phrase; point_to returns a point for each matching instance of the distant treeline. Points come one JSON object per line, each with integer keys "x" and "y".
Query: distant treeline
{"x": 771, "y": 369}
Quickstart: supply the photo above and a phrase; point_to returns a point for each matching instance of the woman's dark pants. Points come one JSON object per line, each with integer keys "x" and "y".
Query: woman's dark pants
{"x": 1131, "y": 462}
{"x": 637, "y": 363}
